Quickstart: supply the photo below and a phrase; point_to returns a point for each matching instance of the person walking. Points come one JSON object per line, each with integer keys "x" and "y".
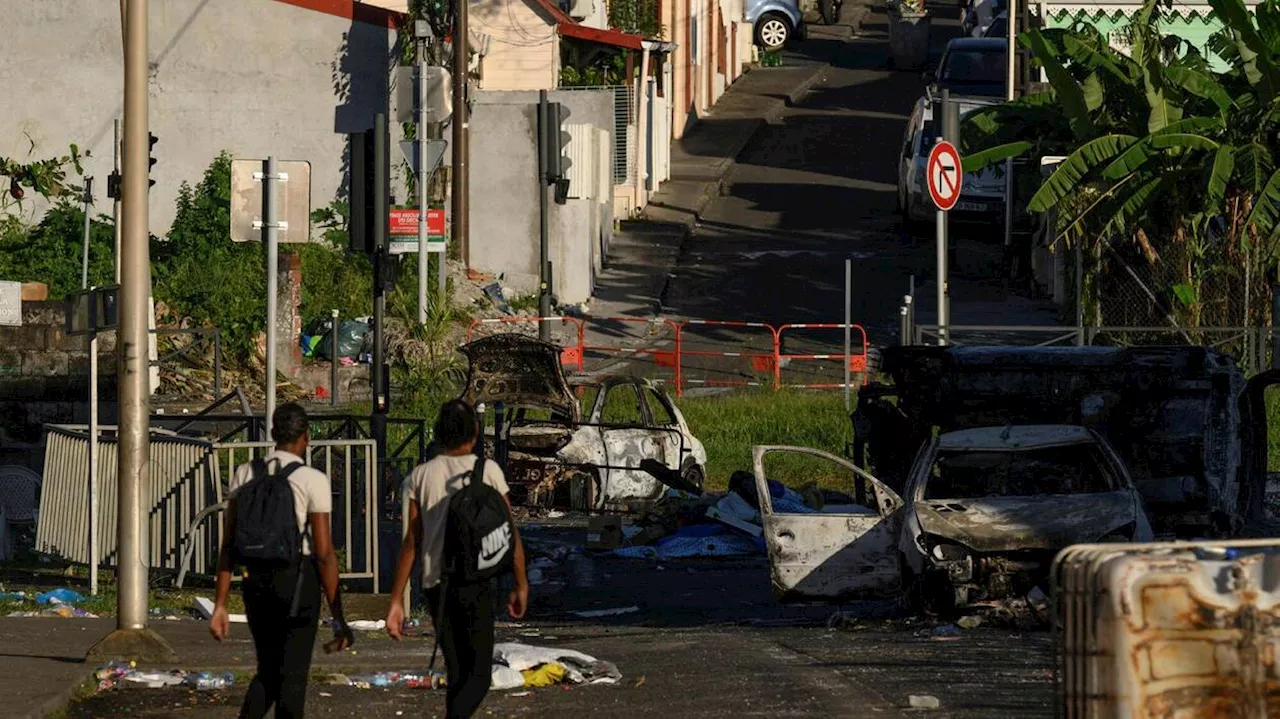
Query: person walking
{"x": 277, "y": 526}
{"x": 462, "y": 611}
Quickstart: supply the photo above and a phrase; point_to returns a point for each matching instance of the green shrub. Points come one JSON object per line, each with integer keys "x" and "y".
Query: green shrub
{"x": 52, "y": 251}
{"x": 332, "y": 277}
{"x": 202, "y": 275}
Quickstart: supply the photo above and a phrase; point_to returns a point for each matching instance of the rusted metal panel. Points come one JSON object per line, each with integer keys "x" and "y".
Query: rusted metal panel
{"x": 828, "y": 556}
{"x": 1003, "y": 524}
{"x": 1168, "y": 630}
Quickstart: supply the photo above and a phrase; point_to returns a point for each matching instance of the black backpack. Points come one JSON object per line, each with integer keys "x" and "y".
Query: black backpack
{"x": 479, "y": 541}
{"x": 266, "y": 533}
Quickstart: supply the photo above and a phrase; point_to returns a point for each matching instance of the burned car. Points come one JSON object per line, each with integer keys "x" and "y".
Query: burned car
{"x": 1187, "y": 426}
{"x": 576, "y": 442}
{"x": 983, "y": 513}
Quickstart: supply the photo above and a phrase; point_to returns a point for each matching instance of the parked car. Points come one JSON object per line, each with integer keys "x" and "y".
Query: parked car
{"x": 983, "y": 514}
{"x": 999, "y": 27}
{"x": 981, "y": 193}
{"x": 577, "y": 442}
{"x": 979, "y": 15}
{"x": 973, "y": 66}
{"x": 775, "y": 23}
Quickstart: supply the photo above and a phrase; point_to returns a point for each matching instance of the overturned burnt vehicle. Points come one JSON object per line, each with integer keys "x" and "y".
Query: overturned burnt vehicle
{"x": 986, "y": 461}
{"x": 577, "y": 442}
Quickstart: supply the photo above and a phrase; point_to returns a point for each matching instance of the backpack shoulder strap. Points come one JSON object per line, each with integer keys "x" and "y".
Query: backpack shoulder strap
{"x": 284, "y": 472}
{"x": 477, "y": 472}
{"x": 258, "y": 469}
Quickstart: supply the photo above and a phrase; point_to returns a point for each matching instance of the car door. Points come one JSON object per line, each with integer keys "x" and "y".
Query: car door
{"x": 665, "y": 428}
{"x": 627, "y": 438}
{"x": 838, "y": 553}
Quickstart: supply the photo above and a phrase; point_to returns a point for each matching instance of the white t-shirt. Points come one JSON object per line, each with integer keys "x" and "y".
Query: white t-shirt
{"x": 430, "y": 484}
{"x": 311, "y": 488}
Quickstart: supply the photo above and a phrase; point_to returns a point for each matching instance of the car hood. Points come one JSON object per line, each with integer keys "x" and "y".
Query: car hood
{"x": 1004, "y": 524}
{"x": 518, "y": 371}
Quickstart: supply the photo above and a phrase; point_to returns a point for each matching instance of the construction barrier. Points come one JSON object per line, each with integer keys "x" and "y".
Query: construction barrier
{"x": 571, "y": 355}
{"x": 857, "y": 362}
{"x": 652, "y": 326}
{"x": 762, "y": 363}
{"x": 766, "y": 363}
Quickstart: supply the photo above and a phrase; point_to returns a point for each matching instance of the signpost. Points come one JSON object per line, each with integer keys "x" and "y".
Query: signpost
{"x": 945, "y": 177}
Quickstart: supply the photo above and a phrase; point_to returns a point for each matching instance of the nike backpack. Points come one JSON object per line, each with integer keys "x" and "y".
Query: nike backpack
{"x": 479, "y": 539}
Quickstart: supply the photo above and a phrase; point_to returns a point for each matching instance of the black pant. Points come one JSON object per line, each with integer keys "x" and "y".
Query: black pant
{"x": 465, "y": 632}
{"x": 283, "y": 643}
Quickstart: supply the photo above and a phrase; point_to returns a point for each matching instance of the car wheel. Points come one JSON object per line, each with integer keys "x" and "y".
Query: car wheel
{"x": 694, "y": 475}
{"x": 773, "y": 31}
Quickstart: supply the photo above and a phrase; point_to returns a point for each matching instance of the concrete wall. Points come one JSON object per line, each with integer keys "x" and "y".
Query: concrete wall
{"x": 504, "y": 202}
{"x": 520, "y": 45}
{"x": 253, "y": 77}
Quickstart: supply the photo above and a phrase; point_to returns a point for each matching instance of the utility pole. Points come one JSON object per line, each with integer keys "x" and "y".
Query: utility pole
{"x": 421, "y": 32}
{"x": 132, "y": 639}
{"x": 544, "y": 217}
{"x": 1010, "y": 73}
{"x": 460, "y": 180}
{"x": 382, "y": 267}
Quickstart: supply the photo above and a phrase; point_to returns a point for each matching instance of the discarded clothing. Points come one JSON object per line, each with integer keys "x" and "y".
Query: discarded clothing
{"x": 504, "y": 678}
{"x": 546, "y": 675}
{"x": 61, "y": 595}
{"x": 681, "y": 547}
{"x": 579, "y": 668}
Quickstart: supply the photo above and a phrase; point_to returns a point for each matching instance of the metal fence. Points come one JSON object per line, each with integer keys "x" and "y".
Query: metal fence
{"x": 1250, "y": 346}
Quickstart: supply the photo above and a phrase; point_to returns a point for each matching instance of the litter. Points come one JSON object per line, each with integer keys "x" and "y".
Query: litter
{"x": 365, "y": 625}
{"x": 126, "y": 675}
{"x": 520, "y": 694}
{"x": 945, "y": 632}
{"x": 969, "y": 622}
{"x": 923, "y": 701}
{"x": 13, "y": 595}
{"x": 594, "y": 613}
{"x": 207, "y": 681}
{"x": 546, "y": 675}
{"x": 504, "y": 678}
{"x": 579, "y": 668}
{"x": 60, "y": 596}
{"x": 407, "y": 679}
{"x": 205, "y": 608}
{"x": 734, "y": 511}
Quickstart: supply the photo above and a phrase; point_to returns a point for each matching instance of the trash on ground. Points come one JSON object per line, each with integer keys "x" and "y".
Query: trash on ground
{"x": 126, "y": 675}
{"x": 944, "y": 632}
{"x": 504, "y": 678}
{"x": 61, "y": 595}
{"x": 923, "y": 701}
{"x": 545, "y": 675}
{"x": 205, "y": 608}
{"x": 407, "y": 679}
{"x": 594, "y": 613}
{"x": 520, "y": 694}
{"x": 578, "y": 668}
{"x": 366, "y": 625}
{"x": 972, "y": 621}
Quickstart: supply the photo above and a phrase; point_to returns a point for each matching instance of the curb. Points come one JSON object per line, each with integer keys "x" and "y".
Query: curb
{"x": 63, "y": 698}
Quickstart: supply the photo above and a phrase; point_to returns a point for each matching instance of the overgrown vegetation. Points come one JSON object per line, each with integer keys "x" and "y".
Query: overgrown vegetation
{"x": 51, "y": 251}
{"x": 638, "y": 17}
{"x": 731, "y": 424}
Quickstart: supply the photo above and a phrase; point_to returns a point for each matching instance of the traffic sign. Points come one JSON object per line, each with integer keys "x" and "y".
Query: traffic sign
{"x": 944, "y": 174}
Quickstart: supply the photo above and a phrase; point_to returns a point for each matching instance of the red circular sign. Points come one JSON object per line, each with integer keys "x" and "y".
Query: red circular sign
{"x": 944, "y": 175}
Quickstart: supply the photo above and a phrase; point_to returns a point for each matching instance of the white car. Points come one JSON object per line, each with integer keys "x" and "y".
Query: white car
{"x": 981, "y": 193}
{"x": 983, "y": 513}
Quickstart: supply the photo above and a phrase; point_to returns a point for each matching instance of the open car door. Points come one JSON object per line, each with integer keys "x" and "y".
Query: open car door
{"x": 841, "y": 552}
{"x": 1254, "y": 445}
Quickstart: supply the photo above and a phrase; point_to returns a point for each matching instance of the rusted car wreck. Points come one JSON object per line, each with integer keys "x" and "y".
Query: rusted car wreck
{"x": 576, "y": 442}
{"x": 986, "y": 461}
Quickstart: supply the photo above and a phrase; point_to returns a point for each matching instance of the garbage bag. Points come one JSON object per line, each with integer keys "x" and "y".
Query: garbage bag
{"x": 351, "y": 340}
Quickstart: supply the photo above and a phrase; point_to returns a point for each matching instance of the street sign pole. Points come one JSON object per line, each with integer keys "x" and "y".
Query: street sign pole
{"x": 544, "y": 241}
{"x": 1011, "y": 64}
{"x": 945, "y": 175}
{"x": 271, "y": 238}
{"x": 421, "y": 169}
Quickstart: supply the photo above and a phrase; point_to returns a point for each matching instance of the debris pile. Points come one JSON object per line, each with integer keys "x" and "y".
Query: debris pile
{"x": 59, "y": 603}
{"x": 127, "y": 675}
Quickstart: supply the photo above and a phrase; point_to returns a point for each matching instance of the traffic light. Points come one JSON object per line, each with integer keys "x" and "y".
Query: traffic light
{"x": 360, "y": 192}
{"x": 113, "y": 185}
{"x": 556, "y": 141}
{"x": 152, "y": 140}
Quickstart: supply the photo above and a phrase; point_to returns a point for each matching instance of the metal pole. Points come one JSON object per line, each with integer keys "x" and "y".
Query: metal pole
{"x": 461, "y": 121}
{"x": 1080, "y": 291}
{"x": 423, "y": 257}
{"x": 271, "y": 238}
{"x": 135, "y": 276}
{"x": 93, "y": 462}
{"x": 333, "y": 361}
{"x": 848, "y": 328}
{"x": 381, "y": 266}
{"x": 88, "y": 209}
{"x": 948, "y": 121}
{"x": 544, "y": 220}
{"x": 115, "y": 202}
{"x": 1010, "y": 71}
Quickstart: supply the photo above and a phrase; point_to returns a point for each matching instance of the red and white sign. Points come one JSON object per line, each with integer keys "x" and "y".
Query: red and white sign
{"x": 943, "y": 171}
{"x": 404, "y": 223}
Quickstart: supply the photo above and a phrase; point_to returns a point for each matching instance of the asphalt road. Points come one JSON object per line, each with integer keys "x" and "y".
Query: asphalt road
{"x": 810, "y": 190}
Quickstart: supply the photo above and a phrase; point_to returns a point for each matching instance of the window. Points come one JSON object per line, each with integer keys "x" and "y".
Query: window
{"x": 658, "y": 408}
{"x": 974, "y": 67}
{"x": 1075, "y": 469}
{"x": 622, "y": 407}
{"x": 586, "y": 394}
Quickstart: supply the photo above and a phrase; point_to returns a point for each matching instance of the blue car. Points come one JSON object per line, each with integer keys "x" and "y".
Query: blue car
{"x": 775, "y": 22}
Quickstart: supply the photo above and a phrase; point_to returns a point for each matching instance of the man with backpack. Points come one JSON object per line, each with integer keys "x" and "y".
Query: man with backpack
{"x": 460, "y": 527}
{"x": 277, "y": 528}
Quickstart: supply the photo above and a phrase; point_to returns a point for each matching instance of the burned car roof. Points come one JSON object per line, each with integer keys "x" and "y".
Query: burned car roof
{"x": 1015, "y": 437}
{"x": 518, "y": 371}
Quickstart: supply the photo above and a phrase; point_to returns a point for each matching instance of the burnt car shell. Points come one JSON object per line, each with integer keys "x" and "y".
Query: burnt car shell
{"x": 1172, "y": 414}
{"x": 519, "y": 372}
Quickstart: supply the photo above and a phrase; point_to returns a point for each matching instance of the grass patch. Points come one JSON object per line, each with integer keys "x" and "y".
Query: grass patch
{"x": 731, "y": 424}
